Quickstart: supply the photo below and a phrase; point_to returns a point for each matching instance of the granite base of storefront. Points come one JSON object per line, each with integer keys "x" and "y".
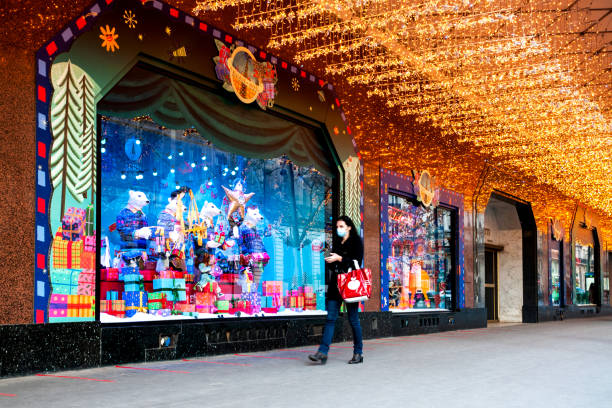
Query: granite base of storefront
{"x": 29, "y": 349}
{"x": 413, "y": 323}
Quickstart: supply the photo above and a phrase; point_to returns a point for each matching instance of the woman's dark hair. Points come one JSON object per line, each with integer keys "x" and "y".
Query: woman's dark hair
{"x": 352, "y": 232}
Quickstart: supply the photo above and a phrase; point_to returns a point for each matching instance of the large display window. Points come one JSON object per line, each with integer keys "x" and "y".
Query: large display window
{"x": 191, "y": 230}
{"x": 585, "y": 274}
{"x": 421, "y": 258}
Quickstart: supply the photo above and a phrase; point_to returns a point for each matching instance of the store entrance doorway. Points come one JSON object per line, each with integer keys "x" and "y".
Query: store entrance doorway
{"x": 491, "y": 288}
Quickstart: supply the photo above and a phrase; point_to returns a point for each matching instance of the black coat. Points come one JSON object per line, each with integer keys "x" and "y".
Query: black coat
{"x": 351, "y": 250}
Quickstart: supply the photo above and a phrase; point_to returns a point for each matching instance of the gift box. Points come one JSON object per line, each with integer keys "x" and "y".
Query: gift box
{"x": 112, "y": 295}
{"x": 189, "y": 278}
{"x": 66, "y": 254}
{"x": 205, "y": 298}
{"x": 58, "y": 305}
{"x": 117, "y": 308}
{"x": 76, "y": 212}
{"x": 72, "y": 228}
{"x": 65, "y": 281}
{"x": 88, "y": 260}
{"x": 229, "y": 277}
{"x": 80, "y": 306}
{"x": 87, "y": 289}
{"x": 230, "y": 288}
{"x": 89, "y": 243}
{"x": 174, "y": 289}
{"x": 299, "y": 301}
{"x": 222, "y": 306}
{"x": 133, "y": 282}
{"x": 135, "y": 302}
{"x": 184, "y": 307}
{"x": 205, "y": 309}
{"x": 191, "y": 314}
{"x": 270, "y": 288}
{"x": 90, "y": 218}
{"x": 110, "y": 274}
{"x": 157, "y": 300}
{"x": 128, "y": 270}
{"x": 254, "y": 299}
{"x": 104, "y": 306}
{"x": 150, "y": 265}
{"x": 189, "y": 291}
{"x": 54, "y": 313}
{"x": 269, "y": 309}
{"x": 147, "y": 274}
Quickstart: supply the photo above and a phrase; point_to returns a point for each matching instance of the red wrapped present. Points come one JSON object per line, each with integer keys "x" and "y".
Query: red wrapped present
{"x": 148, "y": 274}
{"x": 189, "y": 278}
{"x": 230, "y": 277}
{"x": 110, "y": 274}
{"x": 66, "y": 254}
{"x": 230, "y": 288}
{"x": 205, "y": 298}
{"x": 299, "y": 301}
{"x": 88, "y": 260}
{"x": 269, "y": 309}
{"x": 150, "y": 265}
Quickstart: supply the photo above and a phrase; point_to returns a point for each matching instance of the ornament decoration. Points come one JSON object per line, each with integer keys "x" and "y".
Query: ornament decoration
{"x": 129, "y": 18}
{"x": 426, "y": 189}
{"x": 109, "y": 38}
{"x": 295, "y": 84}
{"x": 242, "y": 74}
{"x": 237, "y": 199}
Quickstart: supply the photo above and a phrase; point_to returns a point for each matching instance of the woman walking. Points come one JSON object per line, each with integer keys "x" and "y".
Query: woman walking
{"x": 347, "y": 248}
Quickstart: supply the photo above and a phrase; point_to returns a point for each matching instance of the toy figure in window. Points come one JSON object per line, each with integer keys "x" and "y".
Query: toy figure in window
{"x": 251, "y": 244}
{"x": 170, "y": 220}
{"x": 133, "y": 227}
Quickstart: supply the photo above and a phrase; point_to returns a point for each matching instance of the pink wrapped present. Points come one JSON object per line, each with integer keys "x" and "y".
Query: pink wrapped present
{"x": 59, "y": 298}
{"x": 90, "y": 243}
{"x": 58, "y": 312}
{"x": 86, "y": 289}
{"x": 76, "y": 212}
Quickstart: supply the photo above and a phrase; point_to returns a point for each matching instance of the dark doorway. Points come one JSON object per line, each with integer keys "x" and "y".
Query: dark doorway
{"x": 491, "y": 286}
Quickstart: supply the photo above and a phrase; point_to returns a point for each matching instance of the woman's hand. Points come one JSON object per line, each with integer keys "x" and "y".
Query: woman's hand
{"x": 333, "y": 258}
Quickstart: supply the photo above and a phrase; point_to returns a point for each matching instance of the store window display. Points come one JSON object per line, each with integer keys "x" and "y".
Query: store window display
{"x": 421, "y": 258}
{"x": 585, "y": 274}
{"x": 195, "y": 231}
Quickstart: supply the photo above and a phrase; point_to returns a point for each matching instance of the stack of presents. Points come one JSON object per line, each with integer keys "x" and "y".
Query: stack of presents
{"x": 73, "y": 268}
{"x": 126, "y": 291}
{"x": 129, "y": 290}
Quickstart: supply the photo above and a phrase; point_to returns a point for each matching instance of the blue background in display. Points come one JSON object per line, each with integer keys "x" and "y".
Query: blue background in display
{"x": 269, "y": 179}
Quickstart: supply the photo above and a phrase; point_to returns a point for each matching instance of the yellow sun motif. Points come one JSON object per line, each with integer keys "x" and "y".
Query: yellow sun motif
{"x": 109, "y": 38}
{"x": 295, "y": 84}
{"x": 129, "y": 18}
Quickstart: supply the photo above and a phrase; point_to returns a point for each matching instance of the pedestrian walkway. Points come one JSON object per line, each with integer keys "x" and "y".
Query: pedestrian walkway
{"x": 564, "y": 364}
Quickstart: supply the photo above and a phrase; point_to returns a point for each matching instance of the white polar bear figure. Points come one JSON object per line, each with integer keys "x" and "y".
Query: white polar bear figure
{"x": 132, "y": 223}
{"x": 208, "y": 212}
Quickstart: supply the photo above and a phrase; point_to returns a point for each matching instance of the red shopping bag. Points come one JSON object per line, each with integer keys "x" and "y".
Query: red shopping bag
{"x": 355, "y": 285}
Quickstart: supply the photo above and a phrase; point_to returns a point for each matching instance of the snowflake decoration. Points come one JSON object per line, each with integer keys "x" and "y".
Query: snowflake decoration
{"x": 109, "y": 38}
{"x": 295, "y": 84}
{"x": 168, "y": 31}
{"x": 129, "y": 18}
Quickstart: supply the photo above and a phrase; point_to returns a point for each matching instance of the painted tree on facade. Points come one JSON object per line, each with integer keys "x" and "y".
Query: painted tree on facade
{"x": 87, "y": 174}
{"x": 66, "y": 124}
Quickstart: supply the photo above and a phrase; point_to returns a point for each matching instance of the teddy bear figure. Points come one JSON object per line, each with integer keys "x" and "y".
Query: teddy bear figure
{"x": 132, "y": 223}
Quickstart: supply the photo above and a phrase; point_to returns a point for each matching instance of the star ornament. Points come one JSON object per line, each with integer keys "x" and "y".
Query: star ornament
{"x": 237, "y": 199}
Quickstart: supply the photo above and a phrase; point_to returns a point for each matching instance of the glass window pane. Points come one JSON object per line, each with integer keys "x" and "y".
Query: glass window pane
{"x": 247, "y": 237}
{"x": 420, "y": 261}
{"x": 585, "y": 274}
{"x": 555, "y": 277}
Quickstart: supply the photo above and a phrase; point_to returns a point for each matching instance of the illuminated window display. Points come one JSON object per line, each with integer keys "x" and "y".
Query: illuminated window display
{"x": 420, "y": 261}
{"x": 585, "y": 274}
{"x": 555, "y": 277}
{"x": 192, "y": 230}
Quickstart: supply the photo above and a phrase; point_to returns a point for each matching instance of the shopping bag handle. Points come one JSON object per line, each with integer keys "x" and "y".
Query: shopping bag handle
{"x": 356, "y": 264}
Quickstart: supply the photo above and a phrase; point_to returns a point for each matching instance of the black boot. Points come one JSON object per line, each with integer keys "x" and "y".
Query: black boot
{"x": 318, "y": 357}
{"x": 357, "y": 358}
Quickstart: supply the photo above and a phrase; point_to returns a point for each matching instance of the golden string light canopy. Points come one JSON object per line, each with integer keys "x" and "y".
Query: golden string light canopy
{"x": 526, "y": 82}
